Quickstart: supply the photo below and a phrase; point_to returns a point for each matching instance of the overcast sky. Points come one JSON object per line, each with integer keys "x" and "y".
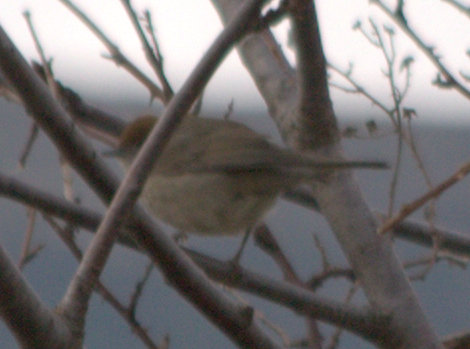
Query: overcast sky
{"x": 187, "y": 27}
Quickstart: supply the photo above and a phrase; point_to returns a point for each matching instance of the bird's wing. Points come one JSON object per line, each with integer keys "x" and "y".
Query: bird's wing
{"x": 220, "y": 147}
{"x": 224, "y": 146}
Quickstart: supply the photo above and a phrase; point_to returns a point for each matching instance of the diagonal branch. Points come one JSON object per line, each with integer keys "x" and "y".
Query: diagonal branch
{"x": 362, "y": 321}
{"x": 408, "y": 209}
{"x": 420, "y": 233}
{"x": 459, "y": 6}
{"x": 365, "y": 322}
{"x": 77, "y": 297}
{"x": 340, "y": 200}
{"x": 115, "y": 52}
{"x": 399, "y": 19}
{"x": 30, "y": 320}
{"x": 125, "y": 312}
{"x": 234, "y": 320}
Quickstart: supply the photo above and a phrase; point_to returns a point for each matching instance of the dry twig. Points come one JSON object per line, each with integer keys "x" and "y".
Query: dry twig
{"x": 406, "y": 210}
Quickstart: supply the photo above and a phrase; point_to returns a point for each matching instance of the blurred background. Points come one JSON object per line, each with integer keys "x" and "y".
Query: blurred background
{"x": 185, "y": 29}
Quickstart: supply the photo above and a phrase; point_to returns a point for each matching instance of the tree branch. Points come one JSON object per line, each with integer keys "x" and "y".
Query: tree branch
{"x": 118, "y": 57}
{"x": 399, "y": 19}
{"x": 30, "y": 320}
{"x": 315, "y": 112}
{"x": 340, "y": 200}
{"x": 189, "y": 280}
{"x": 155, "y": 61}
{"x": 362, "y": 322}
{"x": 406, "y": 210}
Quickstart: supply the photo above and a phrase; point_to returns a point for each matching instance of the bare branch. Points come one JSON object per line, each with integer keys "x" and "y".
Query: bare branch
{"x": 335, "y": 337}
{"x": 116, "y": 54}
{"x": 154, "y": 58}
{"x": 45, "y": 63}
{"x": 459, "y": 6}
{"x": 357, "y": 88}
{"x": 457, "y": 341}
{"x": 67, "y": 237}
{"x": 265, "y": 240}
{"x": 406, "y": 210}
{"x": 426, "y": 49}
{"x": 79, "y": 291}
{"x": 177, "y": 268}
{"x": 26, "y": 252}
{"x": 451, "y": 242}
{"x": 316, "y": 116}
{"x": 139, "y": 287}
{"x": 364, "y": 322}
{"x": 243, "y": 278}
{"x": 33, "y": 133}
{"x": 32, "y": 323}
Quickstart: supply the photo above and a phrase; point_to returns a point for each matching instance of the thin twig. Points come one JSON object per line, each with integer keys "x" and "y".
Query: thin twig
{"x": 167, "y": 90}
{"x": 398, "y": 112}
{"x": 335, "y": 337}
{"x": 331, "y": 272}
{"x": 49, "y": 79}
{"x": 117, "y": 56}
{"x": 28, "y": 253}
{"x": 430, "y": 211}
{"x": 357, "y": 88}
{"x": 66, "y": 236}
{"x": 277, "y": 329}
{"x": 389, "y": 55}
{"x": 33, "y": 133}
{"x": 406, "y": 210}
{"x": 428, "y": 261}
{"x": 154, "y": 58}
{"x": 429, "y": 51}
{"x": 139, "y": 287}
{"x": 324, "y": 257}
{"x": 266, "y": 241}
{"x": 182, "y": 272}
{"x": 45, "y": 63}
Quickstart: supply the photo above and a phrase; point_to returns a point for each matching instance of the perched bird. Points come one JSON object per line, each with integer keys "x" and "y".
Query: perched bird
{"x": 218, "y": 177}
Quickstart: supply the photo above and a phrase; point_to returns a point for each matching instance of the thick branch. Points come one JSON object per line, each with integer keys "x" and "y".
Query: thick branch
{"x": 187, "y": 278}
{"x": 316, "y": 117}
{"x": 339, "y": 197}
{"x": 79, "y": 292}
{"x": 32, "y": 323}
{"x": 270, "y": 70}
{"x": 361, "y": 321}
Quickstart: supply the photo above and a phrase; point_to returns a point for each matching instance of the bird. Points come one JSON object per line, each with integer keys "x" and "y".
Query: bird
{"x": 219, "y": 177}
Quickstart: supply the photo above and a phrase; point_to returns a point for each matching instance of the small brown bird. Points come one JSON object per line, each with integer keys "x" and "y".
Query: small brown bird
{"x": 218, "y": 177}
